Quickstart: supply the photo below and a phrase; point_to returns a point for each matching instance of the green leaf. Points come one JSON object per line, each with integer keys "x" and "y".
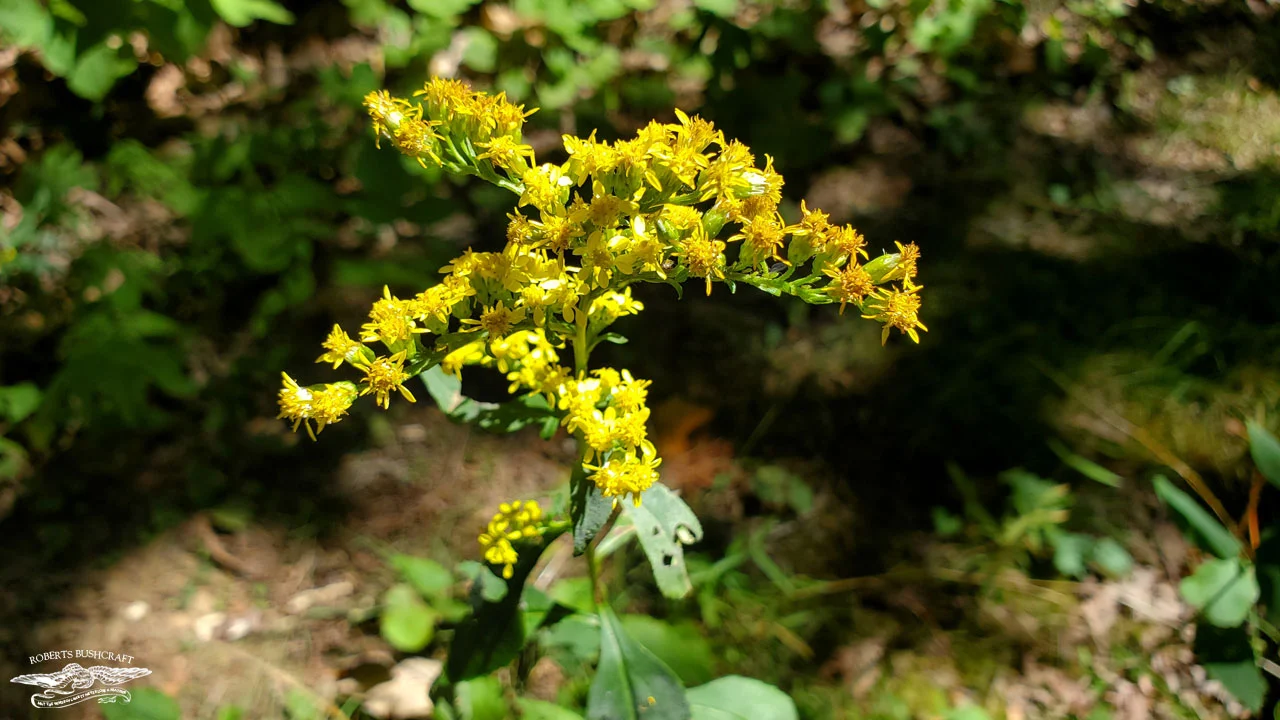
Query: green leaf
{"x": 575, "y": 593}
{"x": 1111, "y": 557}
{"x": 681, "y": 647}
{"x": 1223, "y": 590}
{"x": 19, "y": 401}
{"x": 1219, "y": 539}
{"x": 945, "y": 524}
{"x": 481, "y": 699}
{"x": 1265, "y": 450}
{"x": 491, "y": 588}
{"x": 481, "y": 51}
{"x": 26, "y": 23}
{"x": 588, "y": 509}
{"x": 719, "y": 8}
{"x": 300, "y": 704}
{"x": 664, "y": 525}
{"x": 531, "y": 709}
{"x": 506, "y": 417}
{"x": 740, "y": 698}
{"x": 407, "y": 622}
{"x": 630, "y": 682}
{"x": 230, "y": 712}
{"x": 1227, "y": 656}
{"x": 442, "y": 9}
{"x": 1084, "y": 466}
{"x": 240, "y": 13}
{"x": 1069, "y": 553}
{"x": 145, "y": 704}
{"x": 495, "y": 632}
{"x": 427, "y": 576}
{"x": 97, "y": 70}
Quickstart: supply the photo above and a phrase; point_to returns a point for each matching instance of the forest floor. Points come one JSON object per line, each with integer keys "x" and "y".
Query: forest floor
{"x": 229, "y": 612}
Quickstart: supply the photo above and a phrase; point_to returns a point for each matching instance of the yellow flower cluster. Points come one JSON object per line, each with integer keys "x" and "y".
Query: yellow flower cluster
{"x": 515, "y": 521}
{"x": 677, "y": 201}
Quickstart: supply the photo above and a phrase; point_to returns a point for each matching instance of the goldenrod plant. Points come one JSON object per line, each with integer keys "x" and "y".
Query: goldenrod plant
{"x": 676, "y": 202}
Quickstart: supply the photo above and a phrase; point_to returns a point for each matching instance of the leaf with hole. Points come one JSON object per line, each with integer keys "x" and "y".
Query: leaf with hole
{"x": 630, "y": 682}
{"x": 664, "y": 525}
{"x": 1223, "y": 590}
{"x": 740, "y": 698}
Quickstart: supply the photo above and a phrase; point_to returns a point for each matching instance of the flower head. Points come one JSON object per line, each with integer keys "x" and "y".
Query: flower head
{"x": 385, "y": 375}
{"x": 897, "y": 308}
{"x": 514, "y": 522}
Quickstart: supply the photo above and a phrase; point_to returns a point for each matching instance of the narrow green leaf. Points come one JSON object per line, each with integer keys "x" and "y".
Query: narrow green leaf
{"x": 1265, "y": 450}
{"x": 1224, "y": 591}
{"x": 740, "y": 698}
{"x": 630, "y": 682}
{"x": 588, "y": 509}
{"x": 1084, "y": 466}
{"x": 1219, "y": 539}
{"x": 664, "y": 525}
{"x": 240, "y": 13}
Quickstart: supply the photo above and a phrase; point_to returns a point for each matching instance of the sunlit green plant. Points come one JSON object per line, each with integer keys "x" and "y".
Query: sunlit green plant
{"x": 678, "y": 201}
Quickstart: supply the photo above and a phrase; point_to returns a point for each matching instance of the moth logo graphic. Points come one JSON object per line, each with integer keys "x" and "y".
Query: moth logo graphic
{"x": 75, "y": 684}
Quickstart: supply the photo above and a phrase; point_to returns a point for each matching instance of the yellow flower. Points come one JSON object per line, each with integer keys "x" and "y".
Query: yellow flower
{"x": 847, "y": 243}
{"x": 507, "y": 153}
{"x": 415, "y": 138}
{"x": 340, "y": 347}
{"x": 704, "y": 258}
{"x": 496, "y": 320}
{"x": 908, "y": 256}
{"x": 330, "y": 403}
{"x": 384, "y": 375}
{"x": 628, "y": 474}
{"x": 630, "y": 394}
{"x": 545, "y": 188}
{"x": 514, "y": 522}
{"x": 322, "y": 405}
{"x": 813, "y": 223}
{"x": 897, "y": 308}
{"x": 390, "y": 320}
{"x": 849, "y": 285}
{"x": 762, "y": 236}
{"x": 295, "y": 402}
